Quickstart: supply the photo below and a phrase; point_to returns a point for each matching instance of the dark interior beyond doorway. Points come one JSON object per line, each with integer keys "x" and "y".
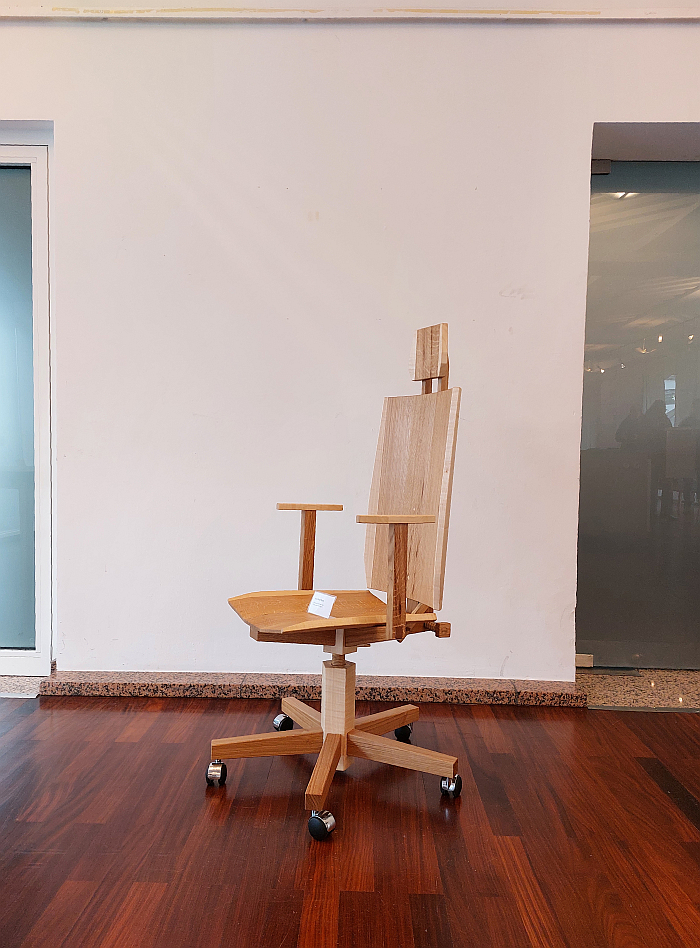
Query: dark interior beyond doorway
{"x": 639, "y": 599}
{"x": 639, "y": 519}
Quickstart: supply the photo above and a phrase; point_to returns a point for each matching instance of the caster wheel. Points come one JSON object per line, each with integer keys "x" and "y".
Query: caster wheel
{"x": 283, "y": 723}
{"x": 451, "y": 786}
{"x": 321, "y": 824}
{"x": 403, "y": 733}
{"x": 216, "y": 774}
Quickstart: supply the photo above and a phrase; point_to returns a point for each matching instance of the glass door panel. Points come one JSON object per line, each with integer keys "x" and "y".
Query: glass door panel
{"x": 17, "y": 597}
{"x": 638, "y": 601}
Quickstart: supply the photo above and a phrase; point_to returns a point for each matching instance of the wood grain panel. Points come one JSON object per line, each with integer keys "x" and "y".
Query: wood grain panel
{"x": 397, "y": 566}
{"x": 285, "y": 613}
{"x": 309, "y": 506}
{"x": 384, "y": 721}
{"x": 338, "y": 704}
{"x": 398, "y": 754}
{"x": 575, "y": 828}
{"x": 431, "y": 353}
{"x": 431, "y": 928}
{"x": 413, "y": 475}
{"x": 326, "y": 762}
{"x": 542, "y": 929}
{"x": 302, "y": 714}
{"x": 266, "y": 745}
{"x": 55, "y": 924}
{"x": 307, "y": 549}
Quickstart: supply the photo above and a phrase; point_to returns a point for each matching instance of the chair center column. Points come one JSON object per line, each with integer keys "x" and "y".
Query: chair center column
{"x": 338, "y": 702}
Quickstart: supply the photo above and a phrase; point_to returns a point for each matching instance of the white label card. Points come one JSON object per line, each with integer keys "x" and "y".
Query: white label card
{"x": 321, "y": 605}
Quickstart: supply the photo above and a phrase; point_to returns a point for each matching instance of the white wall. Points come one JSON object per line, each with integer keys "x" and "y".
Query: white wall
{"x": 248, "y": 224}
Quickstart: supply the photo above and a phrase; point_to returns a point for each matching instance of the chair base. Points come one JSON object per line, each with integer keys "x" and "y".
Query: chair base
{"x": 337, "y": 736}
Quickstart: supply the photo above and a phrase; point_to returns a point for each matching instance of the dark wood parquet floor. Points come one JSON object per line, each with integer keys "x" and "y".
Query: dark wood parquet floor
{"x": 575, "y": 829}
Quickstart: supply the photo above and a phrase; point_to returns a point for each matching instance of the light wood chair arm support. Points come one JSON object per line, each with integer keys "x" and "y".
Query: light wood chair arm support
{"x": 307, "y": 540}
{"x": 398, "y": 566}
{"x": 397, "y": 575}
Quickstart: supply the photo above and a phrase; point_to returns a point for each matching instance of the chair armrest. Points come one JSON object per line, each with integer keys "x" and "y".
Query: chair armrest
{"x": 395, "y": 518}
{"x": 309, "y": 506}
{"x": 397, "y": 567}
{"x": 307, "y": 540}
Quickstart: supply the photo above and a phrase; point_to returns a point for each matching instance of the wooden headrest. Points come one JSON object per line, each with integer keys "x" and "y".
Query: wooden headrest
{"x": 431, "y": 353}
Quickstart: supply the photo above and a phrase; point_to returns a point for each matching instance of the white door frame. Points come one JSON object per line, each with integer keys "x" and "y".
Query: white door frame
{"x": 37, "y": 661}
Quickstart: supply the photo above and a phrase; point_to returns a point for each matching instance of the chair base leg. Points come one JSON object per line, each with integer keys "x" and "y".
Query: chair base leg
{"x": 301, "y": 713}
{"x": 276, "y": 744}
{"x": 322, "y": 776}
{"x": 374, "y": 747}
{"x": 386, "y": 721}
{"x": 337, "y": 736}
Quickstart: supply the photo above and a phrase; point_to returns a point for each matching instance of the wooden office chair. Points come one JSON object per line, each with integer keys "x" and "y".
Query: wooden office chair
{"x": 409, "y": 508}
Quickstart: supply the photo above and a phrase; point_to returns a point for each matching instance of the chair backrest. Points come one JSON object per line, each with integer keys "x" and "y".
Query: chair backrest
{"x": 413, "y": 473}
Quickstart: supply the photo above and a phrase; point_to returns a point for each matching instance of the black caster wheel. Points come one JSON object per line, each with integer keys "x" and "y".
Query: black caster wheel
{"x": 321, "y": 824}
{"x": 451, "y": 786}
{"x": 283, "y": 722}
{"x": 216, "y": 774}
{"x": 403, "y": 733}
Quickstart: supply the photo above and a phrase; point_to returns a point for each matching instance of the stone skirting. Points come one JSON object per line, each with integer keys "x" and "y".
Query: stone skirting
{"x": 369, "y": 688}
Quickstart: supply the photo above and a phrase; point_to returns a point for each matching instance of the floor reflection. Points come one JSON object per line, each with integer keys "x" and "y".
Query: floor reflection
{"x": 639, "y": 597}
{"x": 659, "y": 689}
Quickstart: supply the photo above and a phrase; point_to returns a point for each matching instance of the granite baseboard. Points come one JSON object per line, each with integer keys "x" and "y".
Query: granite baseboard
{"x": 369, "y": 688}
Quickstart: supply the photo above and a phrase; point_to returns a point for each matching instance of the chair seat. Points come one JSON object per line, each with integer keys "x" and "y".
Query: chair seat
{"x": 285, "y": 612}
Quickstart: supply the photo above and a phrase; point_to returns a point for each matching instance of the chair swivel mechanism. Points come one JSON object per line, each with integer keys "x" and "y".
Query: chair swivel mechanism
{"x": 405, "y": 550}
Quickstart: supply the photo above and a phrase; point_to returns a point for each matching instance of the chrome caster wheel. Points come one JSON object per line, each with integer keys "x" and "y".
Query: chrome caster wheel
{"x": 451, "y": 786}
{"x": 283, "y": 722}
{"x": 321, "y": 824}
{"x": 216, "y": 774}
{"x": 403, "y": 733}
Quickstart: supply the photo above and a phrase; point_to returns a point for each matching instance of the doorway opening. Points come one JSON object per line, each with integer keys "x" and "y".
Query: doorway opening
{"x": 638, "y": 599}
{"x": 25, "y": 471}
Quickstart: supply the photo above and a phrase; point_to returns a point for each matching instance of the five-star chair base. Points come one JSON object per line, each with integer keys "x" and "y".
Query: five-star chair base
{"x": 336, "y": 736}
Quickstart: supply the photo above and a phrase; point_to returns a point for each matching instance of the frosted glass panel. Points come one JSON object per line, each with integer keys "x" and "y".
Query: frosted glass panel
{"x": 638, "y": 597}
{"x": 16, "y": 413}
